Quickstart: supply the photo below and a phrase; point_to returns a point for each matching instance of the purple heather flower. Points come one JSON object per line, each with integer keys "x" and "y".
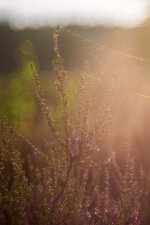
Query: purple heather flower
{"x": 87, "y": 214}
{"x": 135, "y": 218}
{"x": 35, "y": 153}
{"x": 74, "y": 152}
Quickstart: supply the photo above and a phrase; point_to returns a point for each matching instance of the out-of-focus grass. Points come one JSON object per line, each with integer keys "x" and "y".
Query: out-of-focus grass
{"x": 17, "y": 99}
{"x": 48, "y": 83}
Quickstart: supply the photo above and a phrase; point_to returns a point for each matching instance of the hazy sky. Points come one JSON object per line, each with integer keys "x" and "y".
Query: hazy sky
{"x": 38, "y": 12}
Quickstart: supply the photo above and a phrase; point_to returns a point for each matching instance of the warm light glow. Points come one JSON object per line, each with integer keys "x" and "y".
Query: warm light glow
{"x": 118, "y": 12}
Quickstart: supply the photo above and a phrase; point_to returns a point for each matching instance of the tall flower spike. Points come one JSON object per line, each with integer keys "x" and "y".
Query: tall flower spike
{"x": 60, "y": 86}
{"x": 43, "y": 101}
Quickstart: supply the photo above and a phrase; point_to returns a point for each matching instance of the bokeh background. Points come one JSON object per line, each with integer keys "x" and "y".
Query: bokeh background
{"x": 106, "y": 34}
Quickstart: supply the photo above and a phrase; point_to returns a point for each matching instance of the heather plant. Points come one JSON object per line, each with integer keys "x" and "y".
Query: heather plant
{"x": 14, "y": 188}
{"x": 73, "y": 181}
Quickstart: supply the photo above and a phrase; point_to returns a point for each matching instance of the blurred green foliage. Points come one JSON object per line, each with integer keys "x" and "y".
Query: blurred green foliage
{"x": 16, "y": 96}
{"x": 71, "y": 93}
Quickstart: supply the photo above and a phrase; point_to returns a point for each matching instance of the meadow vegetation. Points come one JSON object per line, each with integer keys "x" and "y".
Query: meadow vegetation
{"x": 74, "y": 179}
